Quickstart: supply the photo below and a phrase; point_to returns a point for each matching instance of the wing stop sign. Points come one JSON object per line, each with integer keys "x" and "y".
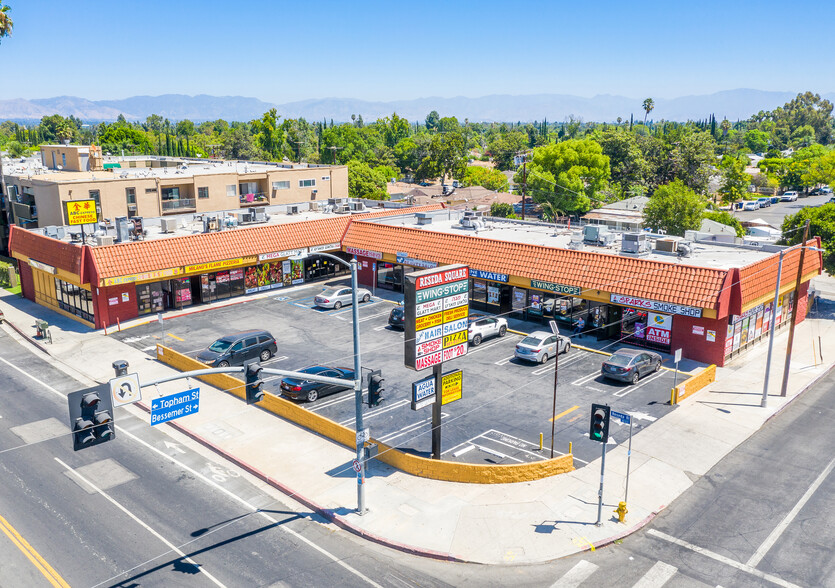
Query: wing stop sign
{"x": 436, "y": 315}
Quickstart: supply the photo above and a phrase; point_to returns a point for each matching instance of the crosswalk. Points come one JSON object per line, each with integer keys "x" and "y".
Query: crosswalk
{"x": 655, "y": 577}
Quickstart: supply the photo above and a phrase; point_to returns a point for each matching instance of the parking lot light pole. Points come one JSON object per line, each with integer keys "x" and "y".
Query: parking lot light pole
{"x": 357, "y": 376}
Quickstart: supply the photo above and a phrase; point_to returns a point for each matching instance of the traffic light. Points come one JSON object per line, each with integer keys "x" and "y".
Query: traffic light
{"x": 599, "y": 425}
{"x": 91, "y": 417}
{"x": 375, "y": 388}
{"x": 254, "y": 393}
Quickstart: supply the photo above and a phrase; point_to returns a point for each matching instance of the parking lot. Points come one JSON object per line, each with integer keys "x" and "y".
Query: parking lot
{"x": 506, "y": 403}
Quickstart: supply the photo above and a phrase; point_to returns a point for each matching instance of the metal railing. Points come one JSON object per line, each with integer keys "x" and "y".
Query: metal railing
{"x": 178, "y": 204}
{"x": 253, "y": 198}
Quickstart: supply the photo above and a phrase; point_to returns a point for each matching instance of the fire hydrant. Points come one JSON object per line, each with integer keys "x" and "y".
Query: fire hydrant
{"x": 621, "y": 510}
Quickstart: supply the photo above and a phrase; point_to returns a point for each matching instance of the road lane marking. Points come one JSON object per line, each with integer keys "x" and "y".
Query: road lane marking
{"x": 656, "y": 576}
{"x": 778, "y": 530}
{"x": 175, "y": 337}
{"x": 563, "y": 413}
{"x": 33, "y": 556}
{"x": 623, "y": 392}
{"x": 142, "y": 523}
{"x": 576, "y": 575}
{"x": 472, "y": 349}
{"x": 722, "y": 559}
{"x": 217, "y": 486}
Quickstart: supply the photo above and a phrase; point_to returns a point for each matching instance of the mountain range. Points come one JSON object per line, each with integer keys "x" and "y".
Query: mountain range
{"x": 730, "y": 104}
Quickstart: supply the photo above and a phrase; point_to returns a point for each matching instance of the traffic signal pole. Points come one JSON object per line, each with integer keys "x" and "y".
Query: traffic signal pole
{"x": 600, "y": 492}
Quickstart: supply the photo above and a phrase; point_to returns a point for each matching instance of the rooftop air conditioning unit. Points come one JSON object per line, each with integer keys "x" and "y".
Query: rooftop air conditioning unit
{"x": 423, "y": 218}
{"x": 635, "y": 243}
{"x": 168, "y": 225}
{"x": 104, "y": 240}
{"x": 598, "y": 235}
{"x": 576, "y": 242}
{"x": 122, "y": 231}
{"x": 668, "y": 245}
{"x": 684, "y": 249}
{"x": 292, "y": 210}
{"x": 244, "y": 217}
{"x": 51, "y": 231}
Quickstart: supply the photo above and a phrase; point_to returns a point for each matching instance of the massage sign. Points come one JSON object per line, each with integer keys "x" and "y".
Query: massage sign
{"x": 436, "y": 316}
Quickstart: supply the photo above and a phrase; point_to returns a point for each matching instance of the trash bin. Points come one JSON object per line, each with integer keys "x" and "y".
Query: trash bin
{"x": 42, "y": 327}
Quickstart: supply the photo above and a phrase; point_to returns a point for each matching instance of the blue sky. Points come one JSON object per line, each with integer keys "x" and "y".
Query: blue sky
{"x": 285, "y": 51}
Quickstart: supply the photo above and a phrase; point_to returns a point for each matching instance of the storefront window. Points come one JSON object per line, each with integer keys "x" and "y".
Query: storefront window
{"x": 479, "y": 291}
{"x": 74, "y": 299}
{"x": 236, "y": 282}
{"x": 389, "y": 276}
{"x": 150, "y": 298}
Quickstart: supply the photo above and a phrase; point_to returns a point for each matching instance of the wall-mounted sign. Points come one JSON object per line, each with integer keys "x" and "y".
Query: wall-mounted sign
{"x": 436, "y": 312}
{"x": 711, "y": 336}
{"x": 164, "y": 273}
{"x": 474, "y": 273}
{"x": 364, "y": 252}
{"x": 414, "y": 261}
{"x": 656, "y": 306}
{"x": 81, "y": 212}
{"x": 423, "y": 392}
{"x": 698, "y": 330}
{"x": 42, "y": 266}
{"x": 214, "y": 265}
{"x": 659, "y": 327}
{"x": 556, "y": 288}
{"x": 282, "y": 254}
{"x": 326, "y": 247}
{"x": 452, "y": 384}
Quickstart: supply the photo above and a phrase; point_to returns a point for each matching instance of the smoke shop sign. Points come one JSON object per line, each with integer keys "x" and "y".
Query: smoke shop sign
{"x": 656, "y": 306}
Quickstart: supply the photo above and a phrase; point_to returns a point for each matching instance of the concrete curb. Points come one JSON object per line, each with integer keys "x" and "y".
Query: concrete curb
{"x": 801, "y": 392}
{"x": 630, "y": 531}
{"x": 27, "y": 337}
{"x": 327, "y": 514}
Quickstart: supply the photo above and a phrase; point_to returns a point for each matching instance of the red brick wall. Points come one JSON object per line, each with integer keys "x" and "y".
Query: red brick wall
{"x": 696, "y": 346}
{"x": 107, "y": 314}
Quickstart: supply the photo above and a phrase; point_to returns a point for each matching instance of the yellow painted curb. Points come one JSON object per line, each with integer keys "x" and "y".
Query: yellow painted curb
{"x": 433, "y": 469}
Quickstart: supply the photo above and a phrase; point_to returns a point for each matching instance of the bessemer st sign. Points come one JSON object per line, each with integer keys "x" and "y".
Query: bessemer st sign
{"x": 436, "y": 316}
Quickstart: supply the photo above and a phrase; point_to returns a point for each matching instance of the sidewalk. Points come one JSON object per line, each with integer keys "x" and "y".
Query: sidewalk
{"x": 494, "y": 524}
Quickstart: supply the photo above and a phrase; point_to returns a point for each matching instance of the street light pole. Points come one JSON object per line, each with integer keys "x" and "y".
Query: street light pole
{"x": 787, "y": 365}
{"x": 764, "y": 402}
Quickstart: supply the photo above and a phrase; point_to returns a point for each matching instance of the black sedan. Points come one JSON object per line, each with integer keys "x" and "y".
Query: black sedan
{"x": 307, "y": 390}
{"x": 397, "y": 318}
{"x": 629, "y": 365}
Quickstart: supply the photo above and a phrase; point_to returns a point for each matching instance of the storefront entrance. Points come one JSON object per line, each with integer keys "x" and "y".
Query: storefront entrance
{"x": 493, "y": 297}
{"x": 647, "y": 329}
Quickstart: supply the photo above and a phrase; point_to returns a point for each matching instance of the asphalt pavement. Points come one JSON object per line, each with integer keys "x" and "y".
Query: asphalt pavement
{"x": 775, "y": 213}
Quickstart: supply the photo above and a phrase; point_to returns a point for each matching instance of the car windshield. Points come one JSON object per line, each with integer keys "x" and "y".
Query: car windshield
{"x": 397, "y": 311}
{"x": 621, "y": 360}
{"x": 532, "y": 341}
{"x": 328, "y": 292}
{"x": 220, "y": 345}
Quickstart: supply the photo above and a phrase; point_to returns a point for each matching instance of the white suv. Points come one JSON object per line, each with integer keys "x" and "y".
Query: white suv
{"x": 790, "y": 196}
{"x": 482, "y": 327}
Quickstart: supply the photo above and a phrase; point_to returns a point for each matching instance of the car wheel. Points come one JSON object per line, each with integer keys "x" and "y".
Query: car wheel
{"x": 312, "y": 395}
{"x": 337, "y": 305}
{"x": 544, "y": 358}
{"x": 502, "y": 331}
{"x": 657, "y": 366}
{"x": 635, "y": 377}
{"x": 366, "y": 298}
{"x": 567, "y": 347}
{"x": 265, "y": 355}
{"x": 476, "y": 340}
{"x": 223, "y": 363}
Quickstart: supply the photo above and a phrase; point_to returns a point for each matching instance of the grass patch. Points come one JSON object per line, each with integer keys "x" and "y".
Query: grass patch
{"x": 15, "y": 290}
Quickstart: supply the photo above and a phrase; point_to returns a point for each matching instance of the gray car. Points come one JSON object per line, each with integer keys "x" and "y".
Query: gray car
{"x": 541, "y": 345}
{"x": 340, "y": 296}
{"x": 239, "y": 348}
{"x": 630, "y": 365}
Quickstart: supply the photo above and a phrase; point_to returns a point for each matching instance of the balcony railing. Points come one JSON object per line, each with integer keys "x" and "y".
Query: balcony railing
{"x": 178, "y": 204}
{"x": 254, "y": 198}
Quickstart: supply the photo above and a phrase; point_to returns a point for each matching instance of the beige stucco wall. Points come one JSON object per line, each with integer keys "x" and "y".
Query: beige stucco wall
{"x": 71, "y": 152}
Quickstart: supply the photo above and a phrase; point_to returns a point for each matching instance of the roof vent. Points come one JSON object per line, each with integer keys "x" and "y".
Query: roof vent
{"x": 667, "y": 245}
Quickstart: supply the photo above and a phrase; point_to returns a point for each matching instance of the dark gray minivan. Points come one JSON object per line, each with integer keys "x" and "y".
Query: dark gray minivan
{"x": 239, "y": 348}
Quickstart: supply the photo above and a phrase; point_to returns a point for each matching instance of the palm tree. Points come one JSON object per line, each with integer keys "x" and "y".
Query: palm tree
{"x": 6, "y": 23}
{"x": 648, "y": 105}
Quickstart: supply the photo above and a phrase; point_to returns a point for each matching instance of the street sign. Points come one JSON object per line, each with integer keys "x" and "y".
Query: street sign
{"x": 452, "y": 383}
{"x": 125, "y": 389}
{"x": 554, "y": 328}
{"x": 621, "y": 416}
{"x": 363, "y": 436}
{"x": 357, "y": 466}
{"x": 678, "y": 355}
{"x": 175, "y": 406}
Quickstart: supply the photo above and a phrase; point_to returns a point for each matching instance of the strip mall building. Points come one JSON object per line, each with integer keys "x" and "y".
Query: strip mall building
{"x": 713, "y": 305}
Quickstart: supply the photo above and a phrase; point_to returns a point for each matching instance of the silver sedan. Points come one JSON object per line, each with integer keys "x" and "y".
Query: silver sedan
{"x": 340, "y": 296}
{"x": 540, "y": 345}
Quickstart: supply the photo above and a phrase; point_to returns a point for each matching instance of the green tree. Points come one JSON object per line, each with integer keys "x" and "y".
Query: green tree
{"x": 821, "y": 224}
{"x": 735, "y": 181}
{"x": 153, "y": 123}
{"x": 267, "y": 136}
{"x": 365, "y": 182}
{"x": 504, "y": 147}
{"x": 674, "y": 208}
{"x": 396, "y": 129}
{"x": 433, "y": 119}
{"x": 626, "y": 161}
{"x": 568, "y": 174}
{"x": 237, "y": 144}
{"x": 16, "y": 149}
{"x": 648, "y": 105}
{"x": 821, "y": 171}
{"x": 756, "y": 141}
{"x": 476, "y": 175}
{"x": 501, "y": 210}
{"x": 6, "y": 23}
{"x": 726, "y": 218}
{"x": 693, "y": 157}
{"x": 446, "y": 157}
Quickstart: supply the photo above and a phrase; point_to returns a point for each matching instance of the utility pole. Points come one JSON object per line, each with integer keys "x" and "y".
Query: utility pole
{"x": 794, "y": 310}
{"x": 524, "y": 182}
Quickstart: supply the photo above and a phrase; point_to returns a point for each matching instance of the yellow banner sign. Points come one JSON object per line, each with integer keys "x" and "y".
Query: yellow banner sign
{"x": 154, "y": 275}
{"x": 453, "y": 314}
{"x": 214, "y": 265}
{"x": 455, "y": 339}
{"x": 451, "y": 386}
{"x": 81, "y": 212}
{"x": 428, "y": 321}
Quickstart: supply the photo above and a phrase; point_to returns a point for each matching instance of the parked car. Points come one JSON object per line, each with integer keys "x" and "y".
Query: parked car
{"x": 630, "y": 365}
{"x": 775, "y": 199}
{"x": 790, "y": 196}
{"x": 340, "y": 296}
{"x": 751, "y": 206}
{"x": 821, "y": 191}
{"x": 764, "y": 202}
{"x": 540, "y": 345}
{"x": 483, "y": 327}
{"x": 397, "y": 317}
{"x": 831, "y": 200}
{"x": 239, "y": 348}
{"x": 308, "y": 390}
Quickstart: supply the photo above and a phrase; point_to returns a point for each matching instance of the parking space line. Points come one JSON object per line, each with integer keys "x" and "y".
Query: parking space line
{"x": 410, "y": 429}
{"x": 276, "y": 358}
{"x": 371, "y": 316}
{"x": 504, "y": 361}
{"x": 327, "y": 403}
{"x": 468, "y": 441}
{"x": 374, "y": 413}
{"x": 540, "y": 457}
{"x": 586, "y": 378}
{"x": 627, "y": 390}
{"x": 497, "y": 453}
{"x": 175, "y": 337}
{"x": 563, "y": 413}
{"x": 489, "y": 345}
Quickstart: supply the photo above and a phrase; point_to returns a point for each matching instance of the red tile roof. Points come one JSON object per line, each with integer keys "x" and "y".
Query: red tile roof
{"x": 143, "y": 256}
{"x": 657, "y": 280}
{"x": 758, "y": 279}
{"x": 59, "y": 254}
